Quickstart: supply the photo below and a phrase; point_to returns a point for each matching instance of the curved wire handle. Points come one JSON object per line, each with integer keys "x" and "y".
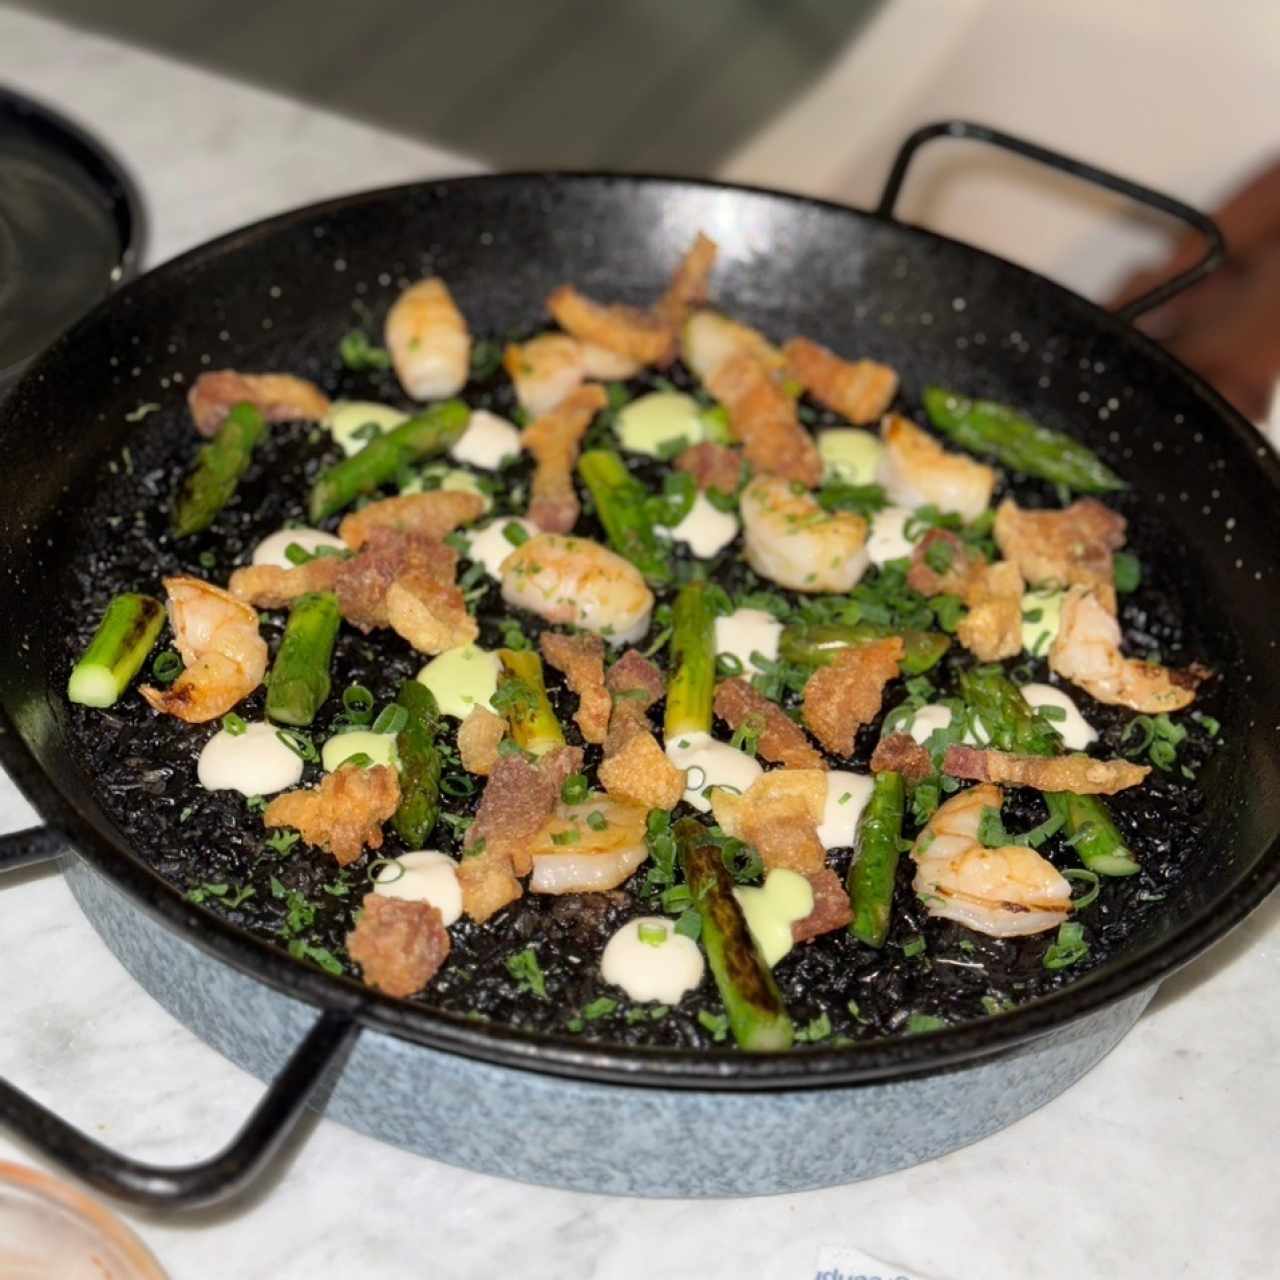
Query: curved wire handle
{"x": 303, "y": 1077}
{"x": 1215, "y": 249}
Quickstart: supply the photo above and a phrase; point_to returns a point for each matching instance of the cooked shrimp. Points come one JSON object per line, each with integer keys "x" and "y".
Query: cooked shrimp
{"x": 578, "y": 853}
{"x": 575, "y": 580}
{"x": 793, "y": 541}
{"x": 861, "y": 390}
{"x": 225, "y": 657}
{"x": 553, "y": 439}
{"x": 279, "y": 397}
{"x": 544, "y": 370}
{"x": 605, "y": 365}
{"x": 916, "y": 471}
{"x": 1087, "y": 652}
{"x": 708, "y": 339}
{"x": 1003, "y": 892}
{"x": 428, "y": 340}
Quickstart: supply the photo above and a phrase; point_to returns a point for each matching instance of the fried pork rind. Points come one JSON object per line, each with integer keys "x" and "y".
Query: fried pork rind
{"x": 779, "y": 739}
{"x": 581, "y": 660}
{"x": 846, "y": 694}
{"x": 860, "y": 390}
{"x": 831, "y": 907}
{"x": 431, "y": 615}
{"x": 344, "y": 814}
{"x": 268, "y": 586}
{"x": 712, "y": 466}
{"x": 1078, "y": 773}
{"x": 398, "y": 945}
{"x": 478, "y": 738}
{"x": 518, "y": 799}
{"x": 638, "y": 770}
{"x": 645, "y": 336}
{"x": 634, "y": 674}
{"x": 553, "y": 439}
{"x": 432, "y": 515}
{"x": 992, "y": 629}
{"x": 779, "y": 814}
{"x": 279, "y": 397}
{"x": 1071, "y": 547}
{"x": 763, "y": 417}
{"x": 362, "y": 582}
{"x": 640, "y": 335}
{"x": 635, "y": 767}
{"x": 901, "y": 753}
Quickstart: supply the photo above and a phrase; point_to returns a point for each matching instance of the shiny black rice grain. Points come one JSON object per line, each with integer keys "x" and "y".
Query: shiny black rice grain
{"x": 142, "y": 766}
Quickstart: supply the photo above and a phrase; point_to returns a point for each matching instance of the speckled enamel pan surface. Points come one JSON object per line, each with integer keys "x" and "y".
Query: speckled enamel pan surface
{"x": 275, "y": 294}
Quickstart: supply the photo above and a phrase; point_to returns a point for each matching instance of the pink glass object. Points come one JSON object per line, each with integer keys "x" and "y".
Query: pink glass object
{"x": 50, "y": 1231}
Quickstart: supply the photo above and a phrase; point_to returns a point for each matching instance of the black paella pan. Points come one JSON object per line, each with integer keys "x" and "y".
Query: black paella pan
{"x": 544, "y": 1106}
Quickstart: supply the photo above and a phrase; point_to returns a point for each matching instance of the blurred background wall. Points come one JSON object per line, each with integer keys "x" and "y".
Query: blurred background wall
{"x": 811, "y": 95}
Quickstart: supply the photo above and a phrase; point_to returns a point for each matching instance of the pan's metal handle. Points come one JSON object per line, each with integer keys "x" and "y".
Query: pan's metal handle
{"x": 27, "y": 848}
{"x": 325, "y": 1046}
{"x": 183, "y": 1186}
{"x": 1215, "y": 249}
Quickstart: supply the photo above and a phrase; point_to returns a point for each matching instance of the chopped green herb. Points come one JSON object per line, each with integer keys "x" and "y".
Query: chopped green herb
{"x": 486, "y": 360}
{"x": 914, "y": 946}
{"x": 299, "y": 743}
{"x": 358, "y": 353}
{"x": 652, "y": 935}
{"x": 391, "y": 719}
{"x": 1126, "y": 570}
{"x": 357, "y": 704}
{"x": 919, "y": 1023}
{"x": 515, "y": 533}
{"x": 523, "y": 966}
{"x": 599, "y": 1008}
{"x": 689, "y": 925}
{"x": 597, "y": 821}
{"x": 570, "y": 835}
{"x": 321, "y": 956}
{"x": 575, "y": 788}
{"x": 818, "y": 1028}
{"x": 233, "y": 724}
{"x": 166, "y": 667}
{"x": 716, "y": 1023}
{"x": 282, "y": 841}
{"x": 1069, "y": 949}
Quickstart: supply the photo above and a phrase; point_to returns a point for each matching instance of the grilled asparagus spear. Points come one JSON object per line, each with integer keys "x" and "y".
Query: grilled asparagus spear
{"x": 757, "y": 1016}
{"x": 420, "y": 765}
{"x": 299, "y": 680}
{"x": 424, "y": 435}
{"x": 814, "y": 645}
{"x": 621, "y": 503}
{"x": 1015, "y": 441}
{"x": 126, "y": 634}
{"x": 875, "y": 862}
{"x": 219, "y": 465}
{"x": 522, "y": 694}
{"x": 691, "y": 686}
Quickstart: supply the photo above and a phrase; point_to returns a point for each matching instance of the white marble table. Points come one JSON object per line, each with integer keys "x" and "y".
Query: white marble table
{"x": 1158, "y": 1164}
